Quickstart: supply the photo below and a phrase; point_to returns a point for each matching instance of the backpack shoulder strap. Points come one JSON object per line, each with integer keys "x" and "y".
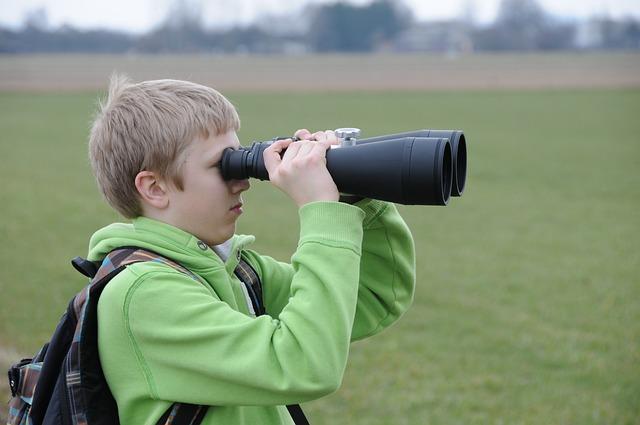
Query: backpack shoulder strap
{"x": 248, "y": 276}
{"x": 84, "y": 363}
{"x": 122, "y": 257}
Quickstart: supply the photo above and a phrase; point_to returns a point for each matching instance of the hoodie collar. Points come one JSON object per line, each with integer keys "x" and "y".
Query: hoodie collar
{"x": 168, "y": 241}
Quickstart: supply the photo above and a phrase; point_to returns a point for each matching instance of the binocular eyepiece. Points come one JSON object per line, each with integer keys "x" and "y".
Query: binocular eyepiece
{"x": 422, "y": 167}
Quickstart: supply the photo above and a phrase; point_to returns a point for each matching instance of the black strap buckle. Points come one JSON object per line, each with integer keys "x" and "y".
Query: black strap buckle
{"x": 14, "y": 376}
{"x": 86, "y": 267}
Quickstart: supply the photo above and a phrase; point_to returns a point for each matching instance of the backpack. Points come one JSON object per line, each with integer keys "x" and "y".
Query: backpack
{"x": 63, "y": 384}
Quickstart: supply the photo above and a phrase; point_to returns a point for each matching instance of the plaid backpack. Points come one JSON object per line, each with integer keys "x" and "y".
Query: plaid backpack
{"x": 63, "y": 384}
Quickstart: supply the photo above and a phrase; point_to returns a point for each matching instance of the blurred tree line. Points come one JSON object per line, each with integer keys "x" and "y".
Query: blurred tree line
{"x": 521, "y": 25}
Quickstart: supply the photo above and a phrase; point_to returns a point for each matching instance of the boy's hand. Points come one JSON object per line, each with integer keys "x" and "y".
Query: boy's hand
{"x": 302, "y": 172}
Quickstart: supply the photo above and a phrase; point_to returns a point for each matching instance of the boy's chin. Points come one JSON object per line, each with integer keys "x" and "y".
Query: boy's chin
{"x": 220, "y": 238}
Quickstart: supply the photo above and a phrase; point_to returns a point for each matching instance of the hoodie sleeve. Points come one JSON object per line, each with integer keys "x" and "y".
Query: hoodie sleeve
{"x": 387, "y": 271}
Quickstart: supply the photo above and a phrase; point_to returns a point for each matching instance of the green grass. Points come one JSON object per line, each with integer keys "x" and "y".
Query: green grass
{"x": 527, "y": 307}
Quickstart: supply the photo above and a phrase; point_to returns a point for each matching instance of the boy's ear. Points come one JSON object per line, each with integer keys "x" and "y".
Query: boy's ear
{"x": 152, "y": 189}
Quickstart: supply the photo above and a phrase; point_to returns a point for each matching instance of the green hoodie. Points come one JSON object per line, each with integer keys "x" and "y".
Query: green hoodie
{"x": 164, "y": 337}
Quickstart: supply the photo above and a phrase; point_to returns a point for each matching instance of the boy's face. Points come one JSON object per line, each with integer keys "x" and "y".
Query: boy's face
{"x": 209, "y": 206}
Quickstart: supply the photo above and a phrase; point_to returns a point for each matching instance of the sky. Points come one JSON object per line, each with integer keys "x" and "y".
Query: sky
{"x": 141, "y": 15}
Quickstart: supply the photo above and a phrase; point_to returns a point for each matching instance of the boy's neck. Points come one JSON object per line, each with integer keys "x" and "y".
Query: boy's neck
{"x": 224, "y": 249}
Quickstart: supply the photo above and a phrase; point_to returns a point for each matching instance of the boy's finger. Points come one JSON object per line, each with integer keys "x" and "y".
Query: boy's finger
{"x": 331, "y": 137}
{"x": 319, "y": 136}
{"x": 321, "y": 148}
{"x": 302, "y": 134}
{"x": 306, "y": 147}
{"x": 328, "y": 139}
{"x": 271, "y": 155}
{"x": 292, "y": 151}
{"x": 279, "y": 145}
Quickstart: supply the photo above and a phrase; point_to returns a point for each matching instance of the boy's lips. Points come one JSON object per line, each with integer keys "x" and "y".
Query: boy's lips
{"x": 237, "y": 208}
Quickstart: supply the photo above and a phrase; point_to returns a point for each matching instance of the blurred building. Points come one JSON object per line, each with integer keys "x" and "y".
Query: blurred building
{"x": 441, "y": 37}
{"x": 606, "y": 33}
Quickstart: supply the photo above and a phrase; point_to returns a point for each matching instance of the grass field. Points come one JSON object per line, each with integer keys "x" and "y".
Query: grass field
{"x": 527, "y": 308}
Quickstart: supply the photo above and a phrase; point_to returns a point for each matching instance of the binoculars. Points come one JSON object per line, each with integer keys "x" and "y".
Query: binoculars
{"x": 422, "y": 167}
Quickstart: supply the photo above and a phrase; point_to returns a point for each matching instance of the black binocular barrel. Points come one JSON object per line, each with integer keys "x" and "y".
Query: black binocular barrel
{"x": 458, "y": 150}
{"x": 405, "y": 170}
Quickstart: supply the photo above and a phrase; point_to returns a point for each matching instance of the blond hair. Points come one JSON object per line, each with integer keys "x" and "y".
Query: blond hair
{"x": 148, "y": 126}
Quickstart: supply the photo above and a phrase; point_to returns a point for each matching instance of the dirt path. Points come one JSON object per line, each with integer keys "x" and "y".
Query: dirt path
{"x": 328, "y": 72}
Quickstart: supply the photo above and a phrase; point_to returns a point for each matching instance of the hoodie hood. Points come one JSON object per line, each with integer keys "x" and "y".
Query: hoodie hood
{"x": 168, "y": 241}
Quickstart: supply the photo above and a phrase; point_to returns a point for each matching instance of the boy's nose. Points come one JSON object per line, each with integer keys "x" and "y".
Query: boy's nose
{"x": 238, "y": 186}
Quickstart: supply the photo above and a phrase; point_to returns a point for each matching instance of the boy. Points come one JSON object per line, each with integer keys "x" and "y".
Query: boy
{"x": 164, "y": 337}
